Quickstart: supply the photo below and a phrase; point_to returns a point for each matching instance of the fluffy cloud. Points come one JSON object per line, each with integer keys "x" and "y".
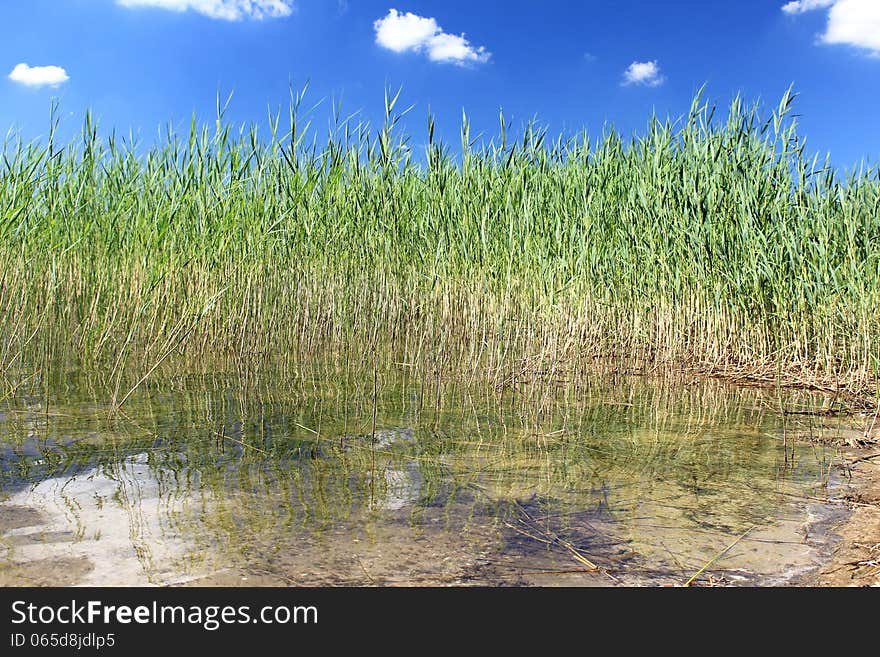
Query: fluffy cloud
{"x": 409, "y": 32}
{"x": 646, "y": 73}
{"x": 850, "y": 22}
{"x": 800, "y": 6}
{"x": 38, "y": 76}
{"x": 229, "y": 10}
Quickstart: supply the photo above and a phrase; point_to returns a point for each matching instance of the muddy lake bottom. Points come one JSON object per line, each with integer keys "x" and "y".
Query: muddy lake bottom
{"x": 206, "y": 481}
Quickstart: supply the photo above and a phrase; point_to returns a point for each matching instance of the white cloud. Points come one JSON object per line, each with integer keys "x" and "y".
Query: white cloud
{"x": 229, "y": 10}
{"x": 454, "y": 48}
{"x": 646, "y": 73}
{"x": 402, "y": 32}
{"x": 38, "y": 76}
{"x": 855, "y": 22}
{"x": 850, "y": 22}
{"x": 800, "y": 6}
{"x": 410, "y": 32}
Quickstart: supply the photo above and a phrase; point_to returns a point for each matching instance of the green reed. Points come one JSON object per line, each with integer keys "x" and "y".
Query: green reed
{"x": 703, "y": 243}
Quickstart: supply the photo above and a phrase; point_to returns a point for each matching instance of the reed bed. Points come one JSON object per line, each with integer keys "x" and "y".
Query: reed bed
{"x": 701, "y": 244}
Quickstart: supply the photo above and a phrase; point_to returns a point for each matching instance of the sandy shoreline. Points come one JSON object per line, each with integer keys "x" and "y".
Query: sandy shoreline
{"x": 856, "y": 559}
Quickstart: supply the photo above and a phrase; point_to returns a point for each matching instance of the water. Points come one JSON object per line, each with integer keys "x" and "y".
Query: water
{"x": 233, "y": 480}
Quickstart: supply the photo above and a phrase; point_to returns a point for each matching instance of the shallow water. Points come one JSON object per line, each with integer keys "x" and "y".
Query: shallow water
{"x": 216, "y": 480}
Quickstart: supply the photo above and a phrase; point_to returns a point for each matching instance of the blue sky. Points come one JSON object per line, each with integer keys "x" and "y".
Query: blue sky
{"x": 140, "y": 63}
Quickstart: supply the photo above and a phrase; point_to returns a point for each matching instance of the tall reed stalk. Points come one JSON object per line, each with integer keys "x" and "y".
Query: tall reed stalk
{"x": 702, "y": 243}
